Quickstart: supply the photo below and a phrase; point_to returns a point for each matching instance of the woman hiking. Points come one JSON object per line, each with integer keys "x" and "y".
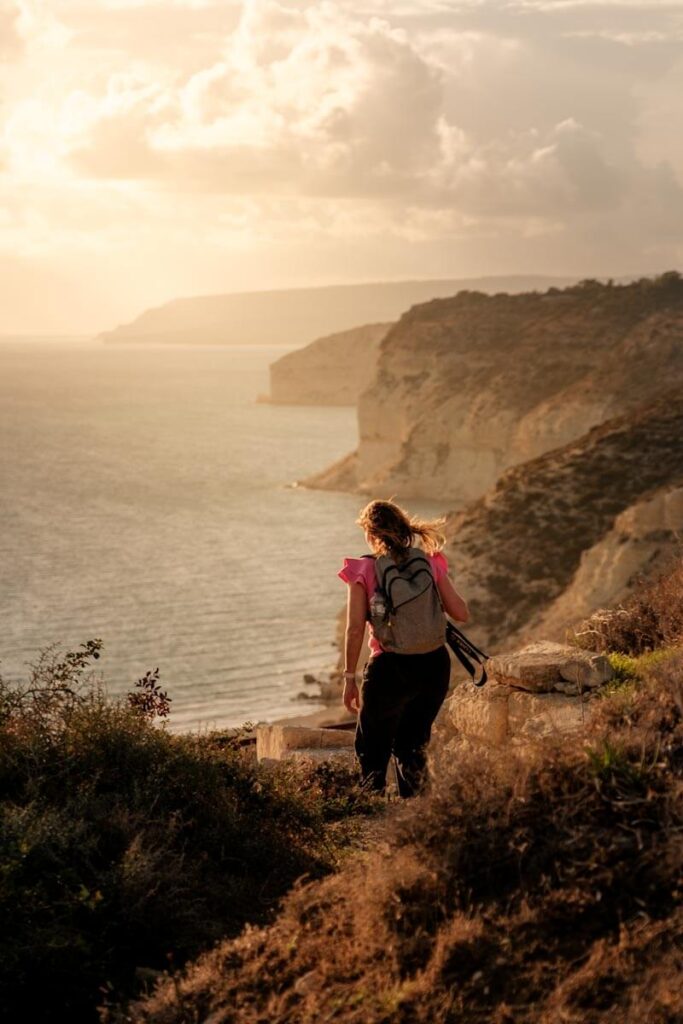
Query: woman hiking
{"x": 400, "y": 693}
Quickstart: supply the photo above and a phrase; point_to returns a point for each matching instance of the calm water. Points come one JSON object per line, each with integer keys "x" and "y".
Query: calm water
{"x": 144, "y": 500}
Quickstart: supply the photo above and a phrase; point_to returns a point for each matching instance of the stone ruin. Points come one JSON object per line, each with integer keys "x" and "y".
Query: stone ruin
{"x": 296, "y": 742}
{"x": 541, "y": 690}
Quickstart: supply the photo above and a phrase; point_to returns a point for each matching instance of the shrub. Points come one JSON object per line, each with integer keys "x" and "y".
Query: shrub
{"x": 122, "y": 845}
{"x": 650, "y": 619}
{"x": 527, "y": 887}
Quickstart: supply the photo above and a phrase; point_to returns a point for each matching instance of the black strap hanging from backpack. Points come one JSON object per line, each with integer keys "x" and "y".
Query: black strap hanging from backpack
{"x": 464, "y": 649}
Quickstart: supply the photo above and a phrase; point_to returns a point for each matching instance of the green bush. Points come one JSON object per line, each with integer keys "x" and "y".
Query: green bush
{"x": 123, "y": 847}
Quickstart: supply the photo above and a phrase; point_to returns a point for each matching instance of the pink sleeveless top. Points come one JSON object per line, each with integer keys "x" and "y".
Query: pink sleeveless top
{"x": 362, "y": 570}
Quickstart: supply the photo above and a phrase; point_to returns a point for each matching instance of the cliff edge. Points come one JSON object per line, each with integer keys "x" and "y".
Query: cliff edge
{"x": 470, "y": 385}
{"x": 570, "y": 530}
{"x": 333, "y": 370}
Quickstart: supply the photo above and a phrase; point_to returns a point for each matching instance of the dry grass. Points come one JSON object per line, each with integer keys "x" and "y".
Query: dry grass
{"x": 535, "y": 889}
{"x": 124, "y": 847}
{"x": 651, "y": 618}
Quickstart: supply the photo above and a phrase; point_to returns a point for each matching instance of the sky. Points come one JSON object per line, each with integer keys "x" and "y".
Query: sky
{"x": 150, "y": 150}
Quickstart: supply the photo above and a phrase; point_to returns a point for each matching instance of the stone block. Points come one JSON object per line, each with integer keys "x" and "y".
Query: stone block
{"x": 332, "y": 738}
{"x": 276, "y": 741}
{"x": 536, "y": 715}
{"x": 544, "y": 666}
{"x": 480, "y": 714}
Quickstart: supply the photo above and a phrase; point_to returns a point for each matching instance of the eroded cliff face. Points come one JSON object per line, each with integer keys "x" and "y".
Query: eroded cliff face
{"x": 567, "y": 532}
{"x": 333, "y": 370}
{"x": 469, "y": 386}
{"x": 639, "y": 544}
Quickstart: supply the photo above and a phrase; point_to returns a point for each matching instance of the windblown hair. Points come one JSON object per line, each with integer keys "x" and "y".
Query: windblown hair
{"x": 394, "y": 531}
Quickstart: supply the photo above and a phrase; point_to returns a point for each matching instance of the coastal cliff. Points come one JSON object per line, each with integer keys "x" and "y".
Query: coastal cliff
{"x": 469, "y": 386}
{"x": 333, "y": 370}
{"x": 570, "y": 530}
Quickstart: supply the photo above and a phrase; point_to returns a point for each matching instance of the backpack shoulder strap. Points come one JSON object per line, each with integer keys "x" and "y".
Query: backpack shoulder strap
{"x": 464, "y": 650}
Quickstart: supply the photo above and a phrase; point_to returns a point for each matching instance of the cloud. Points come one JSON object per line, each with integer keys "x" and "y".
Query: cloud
{"x": 370, "y": 137}
{"x": 11, "y": 43}
{"x": 304, "y": 100}
{"x": 313, "y": 102}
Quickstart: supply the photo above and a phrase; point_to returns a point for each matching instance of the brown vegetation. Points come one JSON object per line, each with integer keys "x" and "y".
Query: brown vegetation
{"x": 124, "y": 847}
{"x": 651, "y": 618}
{"x": 534, "y": 888}
{"x": 517, "y": 549}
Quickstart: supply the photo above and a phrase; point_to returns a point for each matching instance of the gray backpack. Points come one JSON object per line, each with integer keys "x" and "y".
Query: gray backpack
{"x": 406, "y": 612}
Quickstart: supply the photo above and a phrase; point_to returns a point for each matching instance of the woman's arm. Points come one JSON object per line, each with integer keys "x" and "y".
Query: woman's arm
{"x": 356, "y": 613}
{"x": 454, "y": 604}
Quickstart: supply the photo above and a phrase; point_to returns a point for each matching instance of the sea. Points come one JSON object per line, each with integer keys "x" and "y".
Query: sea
{"x": 148, "y": 499}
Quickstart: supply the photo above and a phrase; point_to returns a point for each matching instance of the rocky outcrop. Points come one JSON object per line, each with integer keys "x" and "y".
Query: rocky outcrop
{"x": 294, "y": 743}
{"x": 546, "y": 667}
{"x": 295, "y": 316}
{"x": 638, "y": 545}
{"x": 333, "y": 370}
{"x": 546, "y": 535}
{"x": 540, "y": 691}
{"x": 500, "y": 714}
{"x": 469, "y": 386}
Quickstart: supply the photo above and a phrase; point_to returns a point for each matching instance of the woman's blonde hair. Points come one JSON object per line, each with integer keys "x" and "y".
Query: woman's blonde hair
{"x": 394, "y": 531}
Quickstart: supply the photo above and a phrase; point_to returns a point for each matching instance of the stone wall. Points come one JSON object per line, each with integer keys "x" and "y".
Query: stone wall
{"x": 545, "y": 689}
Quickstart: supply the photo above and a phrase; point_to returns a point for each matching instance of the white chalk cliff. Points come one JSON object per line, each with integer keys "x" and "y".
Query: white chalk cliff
{"x": 571, "y": 530}
{"x": 333, "y": 370}
{"x": 468, "y": 386}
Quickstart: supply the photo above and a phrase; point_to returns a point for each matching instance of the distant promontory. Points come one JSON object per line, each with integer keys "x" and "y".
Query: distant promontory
{"x": 296, "y": 316}
{"x": 330, "y": 371}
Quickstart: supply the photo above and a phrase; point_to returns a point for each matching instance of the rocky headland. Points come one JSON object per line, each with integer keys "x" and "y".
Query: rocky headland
{"x": 470, "y": 385}
{"x": 296, "y": 316}
{"x": 552, "y": 425}
{"x": 333, "y": 370}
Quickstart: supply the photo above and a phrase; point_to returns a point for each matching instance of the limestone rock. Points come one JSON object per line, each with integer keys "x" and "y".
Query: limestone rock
{"x": 527, "y": 699}
{"x": 279, "y": 742}
{"x": 469, "y": 386}
{"x": 551, "y": 424}
{"x": 533, "y": 715}
{"x": 477, "y": 714}
{"x": 345, "y": 755}
{"x": 330, "y": 371}
{"x": 544, "y": 666}
{"x": 640, "y": 541}
{"x": 498, "y": 715}
{"x": 518, "y": 549}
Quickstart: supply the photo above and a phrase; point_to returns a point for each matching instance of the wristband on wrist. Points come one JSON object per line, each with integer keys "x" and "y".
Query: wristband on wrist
{"x": 349, "y": 675}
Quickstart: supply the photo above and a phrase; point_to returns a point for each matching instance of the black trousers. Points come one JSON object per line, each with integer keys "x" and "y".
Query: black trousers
{"x": 400, "y": 697}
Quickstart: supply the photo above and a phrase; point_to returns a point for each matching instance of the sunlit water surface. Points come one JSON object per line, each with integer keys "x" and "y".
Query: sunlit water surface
{"x": 145, "y": 500}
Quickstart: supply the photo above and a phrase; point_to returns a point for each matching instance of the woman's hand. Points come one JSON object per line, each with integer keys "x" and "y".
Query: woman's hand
{"x": 351, "y": 696}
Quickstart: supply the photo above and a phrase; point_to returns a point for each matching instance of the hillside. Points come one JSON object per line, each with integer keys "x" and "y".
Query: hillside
{"x": 330, "y": 371}
{"x": 532, "y": 885}
{"x": 568, "y": 531}
{"x": 470, "y": 385}
{"x": 296, "y": 316}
